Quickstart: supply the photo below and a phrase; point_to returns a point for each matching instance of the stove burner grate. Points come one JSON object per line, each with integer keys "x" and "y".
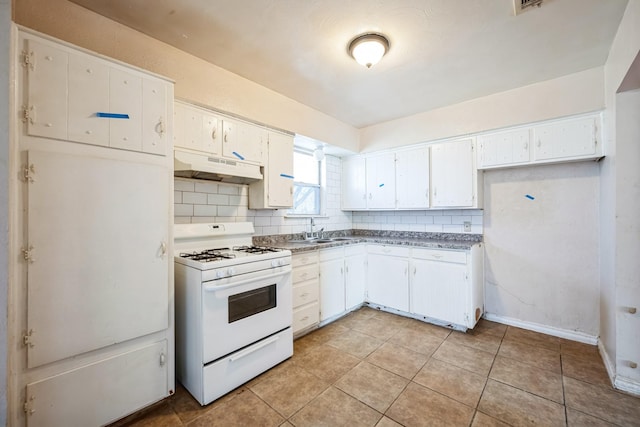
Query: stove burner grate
{"x": 255, "y": 249}
{"x": 209, "y": 255}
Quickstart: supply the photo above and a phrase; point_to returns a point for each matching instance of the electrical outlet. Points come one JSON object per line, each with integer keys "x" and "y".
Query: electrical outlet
{"x": 467, "y": 226}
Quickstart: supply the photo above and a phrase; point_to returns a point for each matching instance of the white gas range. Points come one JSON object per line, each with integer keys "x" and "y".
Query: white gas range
{"x": 233, "y": 307}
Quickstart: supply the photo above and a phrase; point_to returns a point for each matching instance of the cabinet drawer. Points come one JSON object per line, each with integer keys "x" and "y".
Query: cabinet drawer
{"x": 305, "y": 293}
{"x": 307, "y": 272}
{"x": 389, "y": 250}
{"x": 304, "y": 259}
{"x": 350, "y": 250}
{"x": 333, "y": 253}
{"x": 306, "y": 316}
{"x": 459, "y": 257}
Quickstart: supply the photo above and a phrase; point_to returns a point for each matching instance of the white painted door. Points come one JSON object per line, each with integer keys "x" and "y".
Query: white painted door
{"x": 354, "y": 182}
{"x": 88, "y": 95}
{"x": 98, "y": 269}
{"x": 452, "y": 183}
{"x": 567, "y": 138}
{"x": 439, "y": 290}
{"x": 102, "y": 392}
{"x": 154, "y": 116}
{"x": 47, "y": 86}
{"x": 504, "y": 148}
{"x": 355, "y": 267}
{"x": 125, "y": 97}
{"x": 388, "y": 281}
{"x": 332, "y": 300}
{"x": 280, "y": 171}
{"x": 381, "y": 181}
{"x": 412, "y": 178}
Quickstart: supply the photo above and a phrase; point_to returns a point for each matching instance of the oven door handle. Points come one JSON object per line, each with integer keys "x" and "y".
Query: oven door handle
{"x": 253, "y": 349}
{"x": 215, "y": 288}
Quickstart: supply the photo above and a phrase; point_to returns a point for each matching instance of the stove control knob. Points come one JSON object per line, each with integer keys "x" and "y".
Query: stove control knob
{"x": 219, "y": 274}
{"x": 231, "y": 271}
{"x": 276, "y": 263}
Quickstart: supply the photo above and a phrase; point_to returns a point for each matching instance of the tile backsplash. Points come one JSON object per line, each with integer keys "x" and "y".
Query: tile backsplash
{"x": 209, "y": 201}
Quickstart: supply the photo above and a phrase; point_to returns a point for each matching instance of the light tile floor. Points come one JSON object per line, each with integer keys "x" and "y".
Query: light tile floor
{"x": 373, "y": 368}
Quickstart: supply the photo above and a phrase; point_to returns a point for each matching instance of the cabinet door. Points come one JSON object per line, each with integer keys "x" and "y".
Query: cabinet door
{"x": 85, "y": 290}
{"x": 243, "y": 141}
{"x": 125, "y": 97}
{"x": 567, "y": 138}
{"x": 439, "y": 290}
{"x": 88, "y": 95}
{"x": 452, "y": 172}
{"x": 154, "y": 116}
{"x": 381, "y": 181}
{"x": 503, "y": 149}
{"x": 47, "y": 71}
{"x": 280, "y": 171}
{"x": 332, "y": 300}
{"x": 388, "y": 282}
{"x": 355, "y": 267}
{"x": 412, "y": 179}
{"x": 211, "y": 134}
{"x": 354, "y": 191}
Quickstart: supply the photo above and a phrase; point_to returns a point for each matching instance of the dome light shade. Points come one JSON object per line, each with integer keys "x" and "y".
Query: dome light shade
{"x": 368, "y": 49}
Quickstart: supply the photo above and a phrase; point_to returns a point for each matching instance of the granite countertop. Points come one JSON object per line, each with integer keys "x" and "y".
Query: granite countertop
{"x": 295, "y": 244}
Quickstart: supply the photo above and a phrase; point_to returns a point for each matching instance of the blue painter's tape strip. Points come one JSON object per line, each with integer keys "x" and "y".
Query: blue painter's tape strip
{"x": 238, "y": 155}
{"x": 112, "y": 115}
{"x": 381, "y": 185}
{"x": 529, "y": 196}
{"x": 284, "y": 175}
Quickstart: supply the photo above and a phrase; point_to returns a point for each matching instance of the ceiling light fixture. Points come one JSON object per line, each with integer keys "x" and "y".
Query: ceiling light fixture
{"x": 367, "y": 49}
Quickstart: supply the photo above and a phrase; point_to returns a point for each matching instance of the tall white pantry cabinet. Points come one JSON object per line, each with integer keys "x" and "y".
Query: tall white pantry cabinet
{"x": 91, "y": 310}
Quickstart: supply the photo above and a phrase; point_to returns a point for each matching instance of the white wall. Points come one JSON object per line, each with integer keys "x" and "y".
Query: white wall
{"x": 542, "y": 258}
{"x": 624, "y": 50}
{"x": 5, "y": 38}
{"x": 207, "y": 201}
{"x": 573, "y": 94}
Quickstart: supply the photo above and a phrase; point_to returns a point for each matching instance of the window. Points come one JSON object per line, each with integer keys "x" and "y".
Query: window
{"x": 307, "y": 188}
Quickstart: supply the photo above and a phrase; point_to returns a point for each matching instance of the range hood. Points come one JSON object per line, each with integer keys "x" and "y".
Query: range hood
{"x": 201, "y": 166}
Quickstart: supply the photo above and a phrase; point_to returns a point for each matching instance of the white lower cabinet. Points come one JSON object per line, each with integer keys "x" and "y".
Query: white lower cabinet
{"x": 446, "y": 285}
{"x": 342, "y": 280}
{"x": 355, "y": 267}
{"x": 306, "y": 310}
{"x": 388, "y": 276}
{"x": 73, "y": 398}
{"x": 332, "y": 290}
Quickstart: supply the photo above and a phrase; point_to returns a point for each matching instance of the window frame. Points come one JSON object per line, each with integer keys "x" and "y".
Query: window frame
{"x": 322, "y": 186}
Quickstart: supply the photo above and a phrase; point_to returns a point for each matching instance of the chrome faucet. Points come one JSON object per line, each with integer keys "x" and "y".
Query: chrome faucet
{"x": 313, "y": 235}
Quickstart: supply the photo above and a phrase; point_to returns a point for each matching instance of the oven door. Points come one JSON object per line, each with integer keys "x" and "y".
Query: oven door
{"x": 240, "y": 310}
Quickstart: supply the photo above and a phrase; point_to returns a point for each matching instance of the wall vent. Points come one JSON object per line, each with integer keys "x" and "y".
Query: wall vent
{"x": 520, "y": 6}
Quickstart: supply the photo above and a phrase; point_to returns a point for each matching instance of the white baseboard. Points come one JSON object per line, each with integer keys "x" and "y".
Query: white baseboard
{"x": 544, "y": 329}
{"x": 628, "y": 385}
{"x": 611, "y": 369}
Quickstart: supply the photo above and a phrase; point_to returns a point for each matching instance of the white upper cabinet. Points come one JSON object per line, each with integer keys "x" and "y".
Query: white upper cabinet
{"x": 275, "y": 191}
{"x": 354, "y": 183}
{"x": 79, "y": 97}
{"x": 244, "y": 141}
{"x": 211, "y": 133}
{"x": 412, "y": 178}
{"x": 454, "y": 180}
{"x": 504, "y": 148}
{"x": 381, "y": 181}
{"x": 45, "y": 112}
{"x": 564, "y": 139}
{"x": 197, "y": 129}
{"x": 88, "y": 94}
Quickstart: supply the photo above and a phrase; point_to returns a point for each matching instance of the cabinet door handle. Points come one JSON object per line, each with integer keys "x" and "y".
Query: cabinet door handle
{"x": 539, "y": 143}
{"x": 414, "y": 270}
{"x": 406, "y": 270}
{"x": 341, "y": 270}
{"x": 347, "y": 269}
{"x": 306, "y": 294}
{"x": 213, "y": 133}
{"x": 160, "y": 130}
{"x": 304, "y": 318}
{"x": 370, "y": 196}
{"x": 225, "y": 137}
{"x": 526, "y": 145}
{"x": 436, "y": 256}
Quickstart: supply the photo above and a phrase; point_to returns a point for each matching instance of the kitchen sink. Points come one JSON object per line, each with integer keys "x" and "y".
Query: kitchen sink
{"x": 342, "y": 239}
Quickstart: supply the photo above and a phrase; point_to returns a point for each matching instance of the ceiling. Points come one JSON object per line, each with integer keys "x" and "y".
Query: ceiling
{"x": 442, "y": 51}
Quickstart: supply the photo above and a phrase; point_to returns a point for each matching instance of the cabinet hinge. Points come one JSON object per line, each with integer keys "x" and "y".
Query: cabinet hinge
{"x": 28, "y": 405}
{"x": 28, "y": 114}
{"x": 27, "y": 60}
{"x": 26, "y": 338}
{"x": 27, "y": 254}
{"x": 28, "y": 171}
